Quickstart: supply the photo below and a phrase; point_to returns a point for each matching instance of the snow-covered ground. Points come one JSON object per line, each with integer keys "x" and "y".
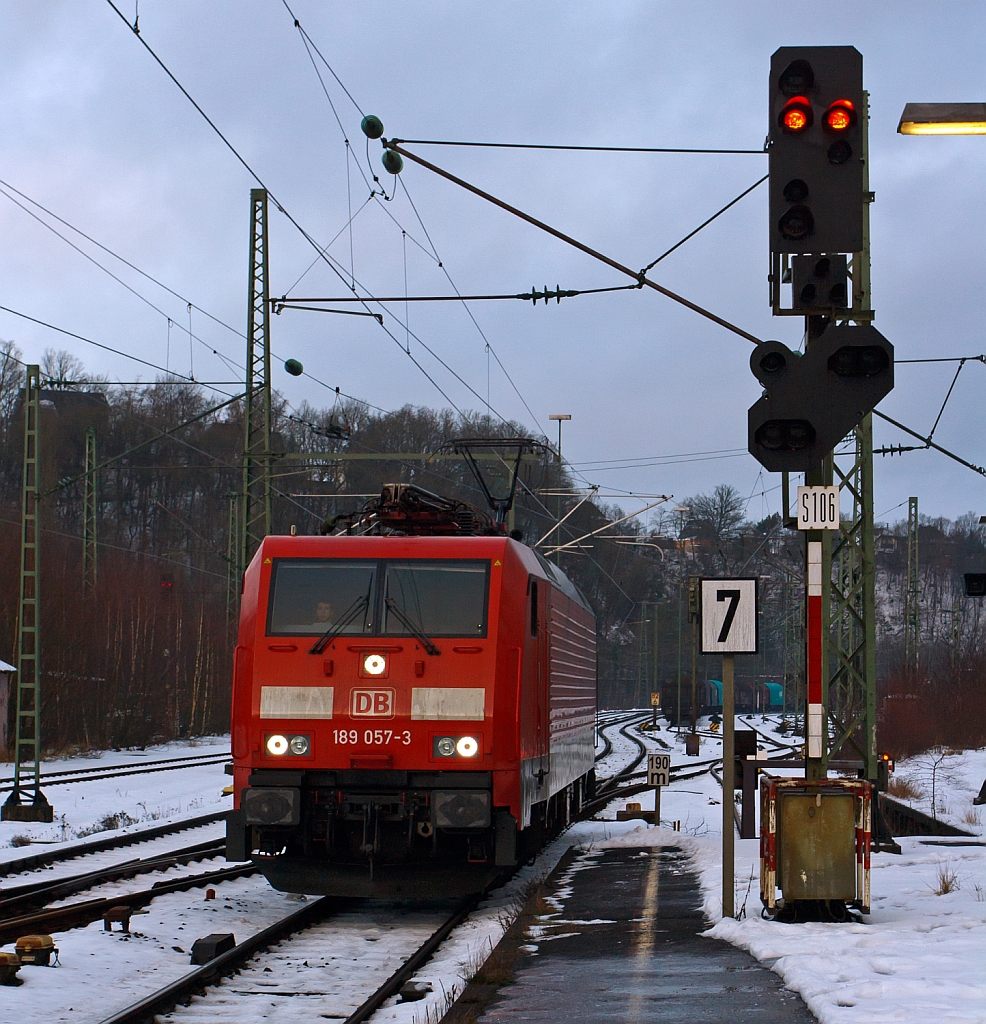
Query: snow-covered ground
{"x": 143, "y": 800}
{"x": 944, "y": 783}
{"x": 917, "y": 957}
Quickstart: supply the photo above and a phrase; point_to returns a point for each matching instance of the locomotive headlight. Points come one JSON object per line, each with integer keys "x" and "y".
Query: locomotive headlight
{"x": 445, "y": 746}
{"x": 299, "y": 744}
{"x": 277, "y": 745}
{"x": 467, "y": 747}
{"x": 374, "y": 664}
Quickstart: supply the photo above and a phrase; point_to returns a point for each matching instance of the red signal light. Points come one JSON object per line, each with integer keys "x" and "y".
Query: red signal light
{"x": 796, "y": 115}
{"x": 840, "y": 116}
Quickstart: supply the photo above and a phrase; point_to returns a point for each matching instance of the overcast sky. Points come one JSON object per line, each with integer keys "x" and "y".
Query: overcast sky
{"x": 94, "y": 130}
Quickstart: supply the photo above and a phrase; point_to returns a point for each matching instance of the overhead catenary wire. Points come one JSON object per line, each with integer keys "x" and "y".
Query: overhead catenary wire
{"x": 931, "y": 444}
{"x": 705, "y": 223}
{"x": 608, "y": 526}
{"x": 310, "y": 46}
{"x": 280, "y": 206}
{"x": 638, "y": 276}
{"x": 647, "y": 458}
{"x": 578, "y": 148}
{"x": 489, "y": 348}
{"x": 228, "y": 361}
{"x": 120, "y": 547}
{"x": 532, "y": 296}
{"x": 946, "y": 359}
{"x": 80, "y": 337}
{"x": 947, "y": 397}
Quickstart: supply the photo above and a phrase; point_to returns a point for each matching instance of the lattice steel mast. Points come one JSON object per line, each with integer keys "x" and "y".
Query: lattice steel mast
{"x": 255, "y": 504}
{"x": 912, "y": 596}
{"x": 851, "y": 659}
{"x": 27, "y": 742}
{"x": 89, "y": 517}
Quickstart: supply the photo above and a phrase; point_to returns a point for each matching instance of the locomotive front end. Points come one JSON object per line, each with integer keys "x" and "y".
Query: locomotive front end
{"x": 365, "y": 760}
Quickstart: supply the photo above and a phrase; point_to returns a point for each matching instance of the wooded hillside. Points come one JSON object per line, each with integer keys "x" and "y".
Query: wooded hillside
{"x": 147, "y": 656}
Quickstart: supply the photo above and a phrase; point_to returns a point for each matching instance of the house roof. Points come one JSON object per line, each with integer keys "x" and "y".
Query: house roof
{"x": 4, "y": 667}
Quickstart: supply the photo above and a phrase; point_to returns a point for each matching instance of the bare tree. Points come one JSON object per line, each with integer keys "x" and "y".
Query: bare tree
{"x": 11, "y": 379}
{"x": 63, "y": 369}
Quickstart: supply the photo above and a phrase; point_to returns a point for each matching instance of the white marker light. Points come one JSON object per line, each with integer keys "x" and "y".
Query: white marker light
{"x": 277, "y": 745}
{"x": 374, "y": 664}
{"x": 446, "y": 746}
{"x": 467, "y": 747}
{"x": 299, "y": 744}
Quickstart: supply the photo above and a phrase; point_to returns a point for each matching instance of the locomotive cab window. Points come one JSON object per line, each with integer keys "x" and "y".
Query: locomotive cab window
{"x": 308, "y": 597}
{"x": 441, "y": 598}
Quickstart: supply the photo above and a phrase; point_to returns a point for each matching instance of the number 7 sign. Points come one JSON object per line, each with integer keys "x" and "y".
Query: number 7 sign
{"x": 729, "y": 616}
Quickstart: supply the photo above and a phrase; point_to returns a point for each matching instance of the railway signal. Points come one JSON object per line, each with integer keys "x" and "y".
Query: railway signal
{"x": 815, "y": 150}
{"x": 975, "y": 584}
{"x": 812, "y": 401}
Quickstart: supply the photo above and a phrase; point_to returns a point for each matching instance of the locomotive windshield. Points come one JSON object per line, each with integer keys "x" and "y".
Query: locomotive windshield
{"x": 442, "y": 598}
{"x": 309, "y": 597}
{"x": 445, "y": 597}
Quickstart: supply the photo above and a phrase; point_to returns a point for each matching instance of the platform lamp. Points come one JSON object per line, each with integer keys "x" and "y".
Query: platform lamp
{"x": 560, "y": 418}
{"x": 943, "y": 119}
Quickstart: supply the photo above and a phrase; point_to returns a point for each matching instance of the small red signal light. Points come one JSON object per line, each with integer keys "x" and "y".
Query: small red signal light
{"x": 840, "y": 116}
{"x": 796, "y": 115}
{"x": 795, "y": 119}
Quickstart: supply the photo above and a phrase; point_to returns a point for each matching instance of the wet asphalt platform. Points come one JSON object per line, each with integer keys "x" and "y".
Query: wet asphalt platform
{"x": 625, "y": 946}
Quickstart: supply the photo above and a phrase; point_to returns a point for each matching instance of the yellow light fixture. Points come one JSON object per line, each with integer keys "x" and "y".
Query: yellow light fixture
{"x": 943, "y": 119}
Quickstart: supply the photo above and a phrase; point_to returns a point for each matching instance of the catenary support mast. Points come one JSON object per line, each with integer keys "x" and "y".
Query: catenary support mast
{"x": 27, "y": 742}
{"x": 89, "y": 517}
{"x": 255, "y": 504}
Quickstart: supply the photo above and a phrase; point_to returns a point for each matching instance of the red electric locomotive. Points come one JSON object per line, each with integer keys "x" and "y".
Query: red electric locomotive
{"x": 410, "y": 713}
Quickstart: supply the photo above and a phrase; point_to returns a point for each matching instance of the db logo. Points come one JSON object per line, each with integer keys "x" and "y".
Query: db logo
{"x": 372, "y": 704}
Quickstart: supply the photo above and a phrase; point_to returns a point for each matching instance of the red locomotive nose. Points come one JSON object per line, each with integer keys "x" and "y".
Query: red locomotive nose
{"x": 398, "y": 728}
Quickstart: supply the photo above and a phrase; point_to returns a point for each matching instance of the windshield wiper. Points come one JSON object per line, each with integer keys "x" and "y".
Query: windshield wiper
{"x": 359, "y": 605}
{"x": 415, "y": 630}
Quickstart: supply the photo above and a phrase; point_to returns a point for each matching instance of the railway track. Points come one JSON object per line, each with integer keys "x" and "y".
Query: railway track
{"x": 284, "y": 960}
{"x": 168, "y": 764}
{"x": 32, "y": 862}
{"x": 291, "y": 946}
{"x": 26, "y": 909}
{"x": 280, "y": 960}
{"x": 294, "y": 944}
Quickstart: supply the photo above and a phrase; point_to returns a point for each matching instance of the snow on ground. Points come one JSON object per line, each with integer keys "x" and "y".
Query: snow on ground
{"x": 144, "y": 800}
{"x": 952, "y": 778}
{"x": 916, "y": 957}
{"x": 101, "y": 972}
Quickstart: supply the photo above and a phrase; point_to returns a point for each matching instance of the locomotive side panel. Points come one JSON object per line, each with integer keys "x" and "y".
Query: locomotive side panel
{"x": 572, "y": 676}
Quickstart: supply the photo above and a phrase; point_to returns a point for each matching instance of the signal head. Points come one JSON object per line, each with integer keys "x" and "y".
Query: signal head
{"x": 840, "y": 116}
{"x": 796, "y": 223}
{"x": 785, "y": 435}
{"x": 797, "y": 116}
{"x": 859, "y": 361}
{"x": 770, "y": 360}
{"x": 796, "y": 191}
{"x": 797, "y": 77}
